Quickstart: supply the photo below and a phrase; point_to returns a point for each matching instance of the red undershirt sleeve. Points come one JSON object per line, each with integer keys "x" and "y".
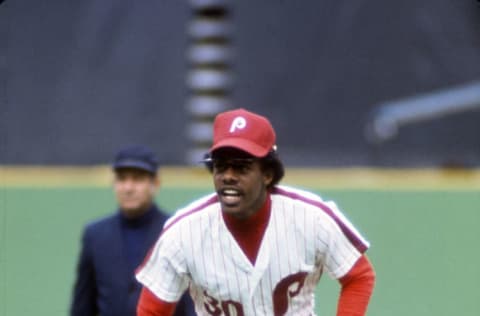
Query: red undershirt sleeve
{"x": 150, "y": 305}
{"x": 356, "y": 289}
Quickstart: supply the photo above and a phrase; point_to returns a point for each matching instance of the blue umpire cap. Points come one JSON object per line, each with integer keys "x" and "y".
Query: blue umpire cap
{"x": 137, "y": 157}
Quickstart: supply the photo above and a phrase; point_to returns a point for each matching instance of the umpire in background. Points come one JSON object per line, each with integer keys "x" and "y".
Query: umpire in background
{"x": 114, "y": 246}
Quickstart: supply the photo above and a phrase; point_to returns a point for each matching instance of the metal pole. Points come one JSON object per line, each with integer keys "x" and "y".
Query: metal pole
{"x": 388, "y": 117}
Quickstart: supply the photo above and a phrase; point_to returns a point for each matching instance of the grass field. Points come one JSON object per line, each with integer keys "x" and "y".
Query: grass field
{"x": 423, "y": 230}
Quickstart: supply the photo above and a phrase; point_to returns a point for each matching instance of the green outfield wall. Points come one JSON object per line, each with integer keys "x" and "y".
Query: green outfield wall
{"x": 422, "y": 224}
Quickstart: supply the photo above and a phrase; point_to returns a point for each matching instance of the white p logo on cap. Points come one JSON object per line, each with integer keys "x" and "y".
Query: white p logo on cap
{"x": 239, "y": 122}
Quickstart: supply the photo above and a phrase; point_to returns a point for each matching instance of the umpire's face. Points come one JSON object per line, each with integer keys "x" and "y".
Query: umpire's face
{"x": 240, "y": 182}
{"x": 135, "y": 190}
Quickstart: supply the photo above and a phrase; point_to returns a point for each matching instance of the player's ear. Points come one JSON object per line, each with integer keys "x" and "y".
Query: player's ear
{"x": 267, "y": 176}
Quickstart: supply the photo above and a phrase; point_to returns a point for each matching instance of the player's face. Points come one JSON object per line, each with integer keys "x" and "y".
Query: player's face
{"x": 135, "y": 190}
{"x": 240, "y": 183}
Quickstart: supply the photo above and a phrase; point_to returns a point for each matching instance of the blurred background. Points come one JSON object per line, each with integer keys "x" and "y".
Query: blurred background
{"x": 80, "y": 79}
{"x": 376, "y": 105}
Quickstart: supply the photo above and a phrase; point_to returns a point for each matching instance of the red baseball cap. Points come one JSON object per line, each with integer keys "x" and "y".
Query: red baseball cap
{"x": 243, "y": 130}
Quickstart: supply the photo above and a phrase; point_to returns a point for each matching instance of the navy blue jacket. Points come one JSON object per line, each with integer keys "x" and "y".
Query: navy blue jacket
{"x": 106, "y": 283}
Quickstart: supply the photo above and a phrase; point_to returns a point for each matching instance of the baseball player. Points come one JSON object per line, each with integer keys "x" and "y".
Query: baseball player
{"x": 254, "y": 247}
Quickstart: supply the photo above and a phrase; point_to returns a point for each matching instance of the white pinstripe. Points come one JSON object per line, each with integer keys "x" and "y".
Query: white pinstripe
{"x": 305, "y": 235}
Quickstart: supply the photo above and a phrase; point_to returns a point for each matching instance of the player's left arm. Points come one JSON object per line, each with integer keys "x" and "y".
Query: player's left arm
{"x": 356, "y": 288}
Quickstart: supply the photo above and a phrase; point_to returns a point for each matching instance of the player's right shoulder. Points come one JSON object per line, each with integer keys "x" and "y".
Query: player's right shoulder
{"x": 192, "y": 211}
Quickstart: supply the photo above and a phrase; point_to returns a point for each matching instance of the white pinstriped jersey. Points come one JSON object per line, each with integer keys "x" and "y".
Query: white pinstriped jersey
{"x": 304, "y": 236}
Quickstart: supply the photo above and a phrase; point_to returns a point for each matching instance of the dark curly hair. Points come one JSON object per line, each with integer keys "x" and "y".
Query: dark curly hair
{"x": 272, "y": 162}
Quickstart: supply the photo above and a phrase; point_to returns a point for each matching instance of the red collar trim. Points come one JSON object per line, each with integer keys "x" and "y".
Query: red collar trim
{"x": 257, "y": 220}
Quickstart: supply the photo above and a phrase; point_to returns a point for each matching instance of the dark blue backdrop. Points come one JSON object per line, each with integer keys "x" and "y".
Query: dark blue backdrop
{"x": 80, "y": 78}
